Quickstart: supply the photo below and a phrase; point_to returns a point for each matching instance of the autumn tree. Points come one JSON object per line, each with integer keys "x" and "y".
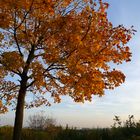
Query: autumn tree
{"x": 57, "y": 47}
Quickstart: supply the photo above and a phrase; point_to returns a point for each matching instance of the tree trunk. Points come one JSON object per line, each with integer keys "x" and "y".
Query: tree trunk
{"x": 19, "y": 114}
{"x": 21, "y": 97}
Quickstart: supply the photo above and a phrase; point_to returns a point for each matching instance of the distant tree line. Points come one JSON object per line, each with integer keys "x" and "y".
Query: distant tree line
{"x": 46, "y": 128}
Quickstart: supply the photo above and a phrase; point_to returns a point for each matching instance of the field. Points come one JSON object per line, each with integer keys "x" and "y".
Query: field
{"x": 59, "y": 133}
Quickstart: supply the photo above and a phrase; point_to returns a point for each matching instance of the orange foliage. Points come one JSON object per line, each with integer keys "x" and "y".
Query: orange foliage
{"x": 60, "y": 47}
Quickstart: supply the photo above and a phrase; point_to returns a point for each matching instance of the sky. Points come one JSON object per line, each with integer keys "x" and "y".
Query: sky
{"x": 123, "y": 101}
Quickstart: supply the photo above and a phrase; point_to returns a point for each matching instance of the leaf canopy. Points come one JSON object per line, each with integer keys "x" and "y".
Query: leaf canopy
{"x": 61, "y": 47}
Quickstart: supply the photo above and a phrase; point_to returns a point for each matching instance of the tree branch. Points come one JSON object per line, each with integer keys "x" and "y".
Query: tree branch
{"x": 15, "y": 35}
{"x": 30, "y": 84}
{"x": 25, "y": 15}
{"x": 90, "y": 18}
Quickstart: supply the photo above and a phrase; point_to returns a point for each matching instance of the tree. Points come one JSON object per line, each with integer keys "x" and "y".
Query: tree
{"x": 130, "y": 123}
{"x": 41, "y": 122}
{"x": 57, "y": 47}
{"x": 117, "y": 122}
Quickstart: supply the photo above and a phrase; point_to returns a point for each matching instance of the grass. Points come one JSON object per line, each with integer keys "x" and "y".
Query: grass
{"x": 130, "y": 130}
{"x": 123, "y": 133}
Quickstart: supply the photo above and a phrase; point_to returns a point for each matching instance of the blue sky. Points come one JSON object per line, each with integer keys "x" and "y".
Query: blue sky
{"x": 122, "y": 101}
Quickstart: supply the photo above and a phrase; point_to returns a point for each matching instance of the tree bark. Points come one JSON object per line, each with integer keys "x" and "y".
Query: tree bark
{"x": 21, "y": 97}
{"x": 19, "y": 113}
